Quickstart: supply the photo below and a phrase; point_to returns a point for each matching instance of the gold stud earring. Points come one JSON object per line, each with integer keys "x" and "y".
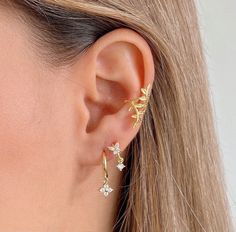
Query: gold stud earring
{"x": 116, "y": 150}
{"x": 139, "y": 105}
{"x": 105, "y": 189}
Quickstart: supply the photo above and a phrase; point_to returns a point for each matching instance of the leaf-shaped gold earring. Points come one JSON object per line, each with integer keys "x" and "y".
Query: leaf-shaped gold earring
{"x": 139, "y": 105}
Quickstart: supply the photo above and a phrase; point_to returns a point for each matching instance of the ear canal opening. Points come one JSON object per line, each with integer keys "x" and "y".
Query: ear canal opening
{"x": 111, "y": 99}
{"x": 97, "y": 112}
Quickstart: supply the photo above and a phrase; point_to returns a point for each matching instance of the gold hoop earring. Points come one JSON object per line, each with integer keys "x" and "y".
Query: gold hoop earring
{"x": 139, "y": 105}
{"x": 105, "y": 189}
{"x": 116, "y": 150}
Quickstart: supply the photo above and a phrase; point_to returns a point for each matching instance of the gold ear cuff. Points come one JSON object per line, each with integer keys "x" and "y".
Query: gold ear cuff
{"x": 139, "y": 105}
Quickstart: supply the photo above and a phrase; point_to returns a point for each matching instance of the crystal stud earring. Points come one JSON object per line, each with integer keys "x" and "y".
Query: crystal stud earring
{"x": 105, "y": 189}
{"x": 116, "y": 150}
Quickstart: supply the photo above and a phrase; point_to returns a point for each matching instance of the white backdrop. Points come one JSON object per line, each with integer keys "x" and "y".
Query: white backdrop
{"x": 218, "y": 28}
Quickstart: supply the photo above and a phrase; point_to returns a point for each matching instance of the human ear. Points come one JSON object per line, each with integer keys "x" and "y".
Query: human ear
{"x": 116, "y": 67}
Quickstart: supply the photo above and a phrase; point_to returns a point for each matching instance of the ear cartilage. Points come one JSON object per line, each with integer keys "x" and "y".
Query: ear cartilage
{"x": 139, "y": 105}
{"x": 116, "y": 150}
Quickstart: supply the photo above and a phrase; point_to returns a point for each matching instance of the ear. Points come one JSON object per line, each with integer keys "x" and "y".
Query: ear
{"x": 115, "y": 68}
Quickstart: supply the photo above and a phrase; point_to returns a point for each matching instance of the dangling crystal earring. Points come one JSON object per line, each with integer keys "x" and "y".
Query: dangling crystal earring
{"x": 106, "y": 189}
{"x": 115, "y": 149}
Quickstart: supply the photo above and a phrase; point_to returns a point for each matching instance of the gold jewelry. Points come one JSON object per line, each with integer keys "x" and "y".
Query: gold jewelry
{"x": 139, "y": 105}
{"x": 115, "y": 149}
{"x": 106, "y": 189}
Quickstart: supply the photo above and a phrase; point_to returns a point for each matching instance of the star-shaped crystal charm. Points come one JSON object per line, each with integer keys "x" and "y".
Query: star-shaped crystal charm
{"x": 106, "y": 190}
{"x": 115, "y": 148}
{"x": 120, "y": 166}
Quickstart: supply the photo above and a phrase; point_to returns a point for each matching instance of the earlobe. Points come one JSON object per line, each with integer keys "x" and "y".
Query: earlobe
{"x": 120, "y": 79}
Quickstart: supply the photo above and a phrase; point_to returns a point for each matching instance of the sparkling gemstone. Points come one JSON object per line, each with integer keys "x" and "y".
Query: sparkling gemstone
{"x": 115, "y": 148}
{"x": 106, "y": 190}
{"x": 120, "y": 166}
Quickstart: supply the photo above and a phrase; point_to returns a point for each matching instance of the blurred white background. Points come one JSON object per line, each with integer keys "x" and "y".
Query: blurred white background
{"x": 218, "y": 28}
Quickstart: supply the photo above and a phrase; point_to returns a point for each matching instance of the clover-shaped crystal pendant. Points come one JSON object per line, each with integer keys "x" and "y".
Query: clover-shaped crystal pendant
{"x": 106, "y": 190}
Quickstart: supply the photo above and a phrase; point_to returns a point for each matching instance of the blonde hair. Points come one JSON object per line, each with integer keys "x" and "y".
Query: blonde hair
{"x": 175, "y": 180}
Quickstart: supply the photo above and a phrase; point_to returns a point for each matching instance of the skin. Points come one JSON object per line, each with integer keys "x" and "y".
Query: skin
{"x": 54, "y": 125}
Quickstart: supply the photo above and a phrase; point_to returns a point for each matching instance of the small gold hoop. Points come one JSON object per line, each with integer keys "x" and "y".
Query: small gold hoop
{"x": 105, "y": 189}
{"x": 105, "y": 168}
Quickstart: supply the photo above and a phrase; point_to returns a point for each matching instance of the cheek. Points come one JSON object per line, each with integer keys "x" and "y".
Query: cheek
{"x": 32, "y": 108}
{"x": 19, "y": 114}
{"x": 31, "y": 99}
{"x": 18, "y": 91}
{"x": 17, "y": 103}
{"x": 30, "y": 113}
{"x": 37, "y": 133}
{"x": 32, "y": 145}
